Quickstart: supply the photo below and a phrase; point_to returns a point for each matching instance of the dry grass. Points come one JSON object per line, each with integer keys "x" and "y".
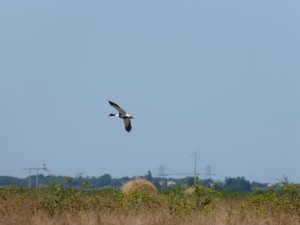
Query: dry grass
{"x": 161, "y": 218}
{"x": 59, "y": 206}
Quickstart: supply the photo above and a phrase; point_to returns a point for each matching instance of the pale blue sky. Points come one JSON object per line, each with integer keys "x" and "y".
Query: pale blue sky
{"x": 218, "y": 77}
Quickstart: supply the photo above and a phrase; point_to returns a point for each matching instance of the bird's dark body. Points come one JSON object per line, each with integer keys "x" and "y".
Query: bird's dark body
{"x": 122, "y": 114}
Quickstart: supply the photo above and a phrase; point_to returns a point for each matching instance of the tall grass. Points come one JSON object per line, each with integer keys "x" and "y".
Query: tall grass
{"x": 61, "y": 206}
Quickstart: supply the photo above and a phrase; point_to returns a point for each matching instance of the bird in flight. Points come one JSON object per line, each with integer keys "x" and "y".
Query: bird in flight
{"x": 123, "y": 115}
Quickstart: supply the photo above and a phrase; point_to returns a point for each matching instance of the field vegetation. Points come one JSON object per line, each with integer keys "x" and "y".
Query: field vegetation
{"x": 59, "y": 205}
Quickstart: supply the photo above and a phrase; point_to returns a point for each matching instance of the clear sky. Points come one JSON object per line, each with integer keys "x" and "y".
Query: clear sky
{"x": 218, "y": 77}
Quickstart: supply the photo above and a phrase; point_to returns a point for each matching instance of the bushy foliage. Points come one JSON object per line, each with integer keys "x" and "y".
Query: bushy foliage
{"x": 203, "y": 201}
{"x": 237, "y": 184}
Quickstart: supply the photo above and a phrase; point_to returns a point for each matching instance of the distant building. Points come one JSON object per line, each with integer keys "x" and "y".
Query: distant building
{"x": 170, "y": 183}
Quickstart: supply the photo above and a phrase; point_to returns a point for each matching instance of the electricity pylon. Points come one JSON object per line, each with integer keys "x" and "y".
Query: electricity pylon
{"x": 36, "y": 176}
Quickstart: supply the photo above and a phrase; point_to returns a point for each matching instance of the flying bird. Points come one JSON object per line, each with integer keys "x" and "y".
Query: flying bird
{"x": 123, "y": 115}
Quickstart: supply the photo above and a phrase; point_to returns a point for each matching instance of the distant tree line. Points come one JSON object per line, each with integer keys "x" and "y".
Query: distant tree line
{"x": 238, "y": 184}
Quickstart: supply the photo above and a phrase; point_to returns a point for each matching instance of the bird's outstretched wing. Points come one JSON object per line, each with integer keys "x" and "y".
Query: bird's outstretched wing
{"x": 117, "y": 107}
{"x": 127, "y": 123}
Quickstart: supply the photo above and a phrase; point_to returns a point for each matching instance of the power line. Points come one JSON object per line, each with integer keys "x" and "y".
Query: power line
{"x": 162, "y": 173}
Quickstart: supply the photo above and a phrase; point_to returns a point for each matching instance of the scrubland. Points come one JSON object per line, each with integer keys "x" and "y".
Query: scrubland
{"x": 56, "y": 205}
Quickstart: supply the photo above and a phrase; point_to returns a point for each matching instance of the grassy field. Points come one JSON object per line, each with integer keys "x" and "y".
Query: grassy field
{"x": 56, "y": 205}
